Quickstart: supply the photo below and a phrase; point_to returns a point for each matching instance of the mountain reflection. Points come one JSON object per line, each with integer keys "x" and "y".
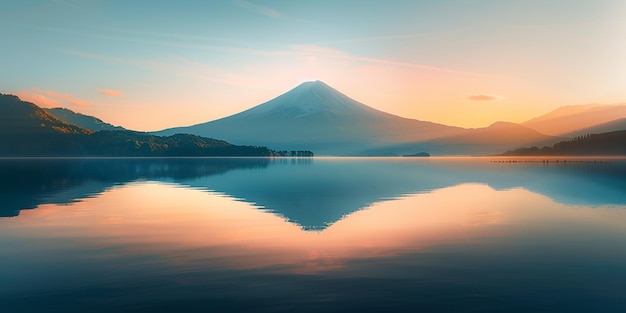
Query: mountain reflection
{"x": 313, "y": 193}
{"x": 27, "y": 183}
{"x": 189, "y": 226}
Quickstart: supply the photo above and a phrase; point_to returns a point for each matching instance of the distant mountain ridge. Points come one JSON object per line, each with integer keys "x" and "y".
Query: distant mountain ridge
{"x": 569, "y": 119}
{"x": 28, "y": 130}
{"x": 494, "y": 139}
{"x": 614, "y": 125}
{"x": 82, "y": 120}
{"x": 499, "y": 133}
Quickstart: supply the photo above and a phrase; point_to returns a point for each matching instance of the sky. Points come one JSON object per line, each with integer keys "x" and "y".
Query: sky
{"x": 150, "y": 65}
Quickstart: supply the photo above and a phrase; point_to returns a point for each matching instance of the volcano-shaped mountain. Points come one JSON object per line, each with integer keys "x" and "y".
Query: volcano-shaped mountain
{"x": 315, "y": 116}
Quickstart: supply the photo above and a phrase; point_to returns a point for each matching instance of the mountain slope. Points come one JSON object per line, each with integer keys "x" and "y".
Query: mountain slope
{"x": 568, "y": 119}
{"x": 84, "y": 121}
{"x": 499, "y": 133}
{"x": 28, "y": 119}
{"x": 317, "y": 117}
{"x": 615, "y": 125}
{"x": 28, "y": 130}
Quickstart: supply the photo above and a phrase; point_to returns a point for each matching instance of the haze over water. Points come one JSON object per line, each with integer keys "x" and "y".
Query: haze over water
{"x": 320, "y": 234}
{"x": 154, "y": 79}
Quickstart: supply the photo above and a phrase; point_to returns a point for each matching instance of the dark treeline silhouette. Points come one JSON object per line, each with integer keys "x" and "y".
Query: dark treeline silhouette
{"x": 292, "y": 153}
{"x": 127, "y": 143}
{"x": 27, "y": 130}
{"x": 121, "y": 143}
{"x": 27, "y": 183}
{"x": 611, "y": 143}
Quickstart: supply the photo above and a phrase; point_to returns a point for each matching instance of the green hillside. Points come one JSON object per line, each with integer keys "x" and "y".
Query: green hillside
{"x": 28, "y": 130}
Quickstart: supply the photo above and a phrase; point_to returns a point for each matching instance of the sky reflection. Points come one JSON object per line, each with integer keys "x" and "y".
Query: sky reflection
{"x": 187, "y": 226}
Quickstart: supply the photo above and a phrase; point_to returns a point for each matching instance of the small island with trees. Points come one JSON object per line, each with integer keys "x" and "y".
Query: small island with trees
{"x": 418, "y": 155}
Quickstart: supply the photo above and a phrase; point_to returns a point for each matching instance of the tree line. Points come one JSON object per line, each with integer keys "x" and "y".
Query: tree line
{"x": 611, "y": 143}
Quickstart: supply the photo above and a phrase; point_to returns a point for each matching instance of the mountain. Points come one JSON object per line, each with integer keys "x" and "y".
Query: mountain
{"x": 571, "y": 118}
{"x": 612, "y": 143}
{"x": 129, "y": 143}
{"x": 489, "y": 140}
{"x": 614, "y": 125}
{"x": 84, "y": 121}
{"x": 315, "y": 116}
{"x": 28, "y": 130}
{"x": 498, "y": 133}
{"x": 26, "y": 118}
{"x": 492, "y": 139}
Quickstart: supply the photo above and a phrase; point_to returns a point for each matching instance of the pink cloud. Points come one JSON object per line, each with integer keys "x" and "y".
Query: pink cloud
{"x": 38, "y": 99}
{"x": 111, "y": 93}
{"x": 481, "y": 97}
{"x": 50, "y": 99}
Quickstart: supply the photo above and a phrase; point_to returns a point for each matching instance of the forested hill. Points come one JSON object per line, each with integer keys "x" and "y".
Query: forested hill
{"x": 611, "y": 143}
{"x": 28, "y": 130}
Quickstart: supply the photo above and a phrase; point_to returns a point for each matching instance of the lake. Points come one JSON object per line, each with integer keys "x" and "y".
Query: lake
{"x": 313, "y": 235}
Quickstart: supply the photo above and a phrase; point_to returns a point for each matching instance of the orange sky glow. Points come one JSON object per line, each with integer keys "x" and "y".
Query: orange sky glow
{"x": 460, "y": 64}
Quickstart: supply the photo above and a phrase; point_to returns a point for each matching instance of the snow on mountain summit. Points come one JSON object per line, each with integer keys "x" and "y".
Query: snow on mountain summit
{"x": 306, "y": 99}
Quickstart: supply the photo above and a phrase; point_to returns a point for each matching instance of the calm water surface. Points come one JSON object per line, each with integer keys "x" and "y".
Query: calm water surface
{"x": 312, "y": 235}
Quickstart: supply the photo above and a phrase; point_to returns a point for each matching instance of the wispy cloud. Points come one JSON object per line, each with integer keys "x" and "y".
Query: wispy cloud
{"x": 371, "y": 38}
{"x": 176, "y": 36}
{"x": 391, "y": 37}
{"x": 165, "y": 39}
{"x": 418, "y": 66}
{"x": 338, "y": 54}
{"x": 180, "y": 44}
{"x": 111, "y": 92}
{"x": 481, "y": 97}
{"x": 299, "y": 54}
{"x": 50, "y": 99}
{"x": 264, "y": 10}
{"x": 317, "y": 50}
{"x": 174, "y": 65}
{"x": 38, "y": 99}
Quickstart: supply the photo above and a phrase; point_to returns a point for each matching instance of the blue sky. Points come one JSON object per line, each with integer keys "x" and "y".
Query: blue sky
{"x": 149, "y": 65}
